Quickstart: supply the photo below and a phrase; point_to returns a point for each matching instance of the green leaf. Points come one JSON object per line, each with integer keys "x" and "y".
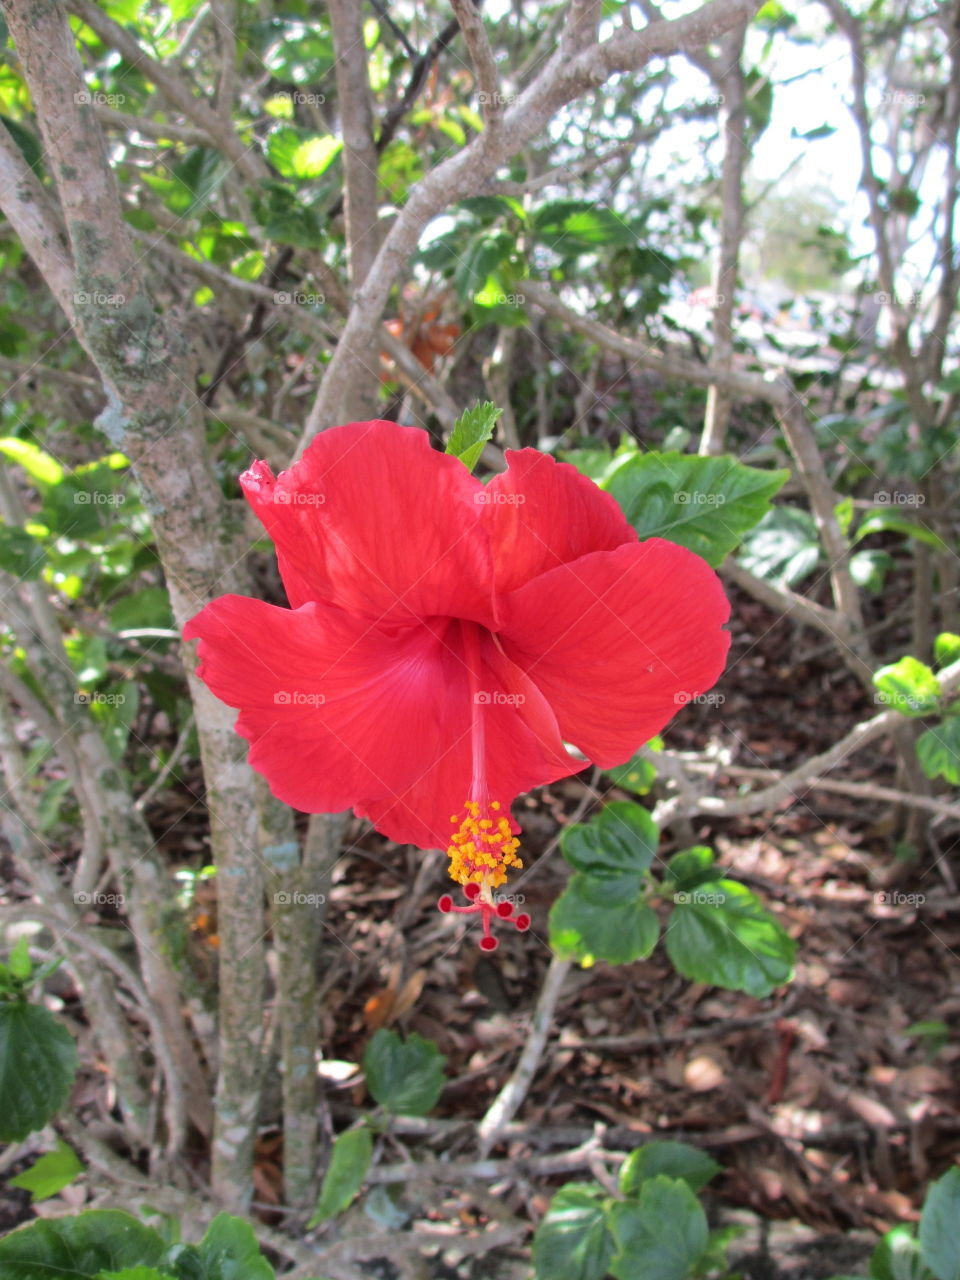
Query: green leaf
{"x": 19, "y": 959}
{"x": 672, "y": 1159}
{"x": 50, "y": 1174}
{"x": 946, "y": 648}
{"x": 349, "y": 1161}
{"x": 691, "y": 867}
{"x": 844, "y": 513}
{"x": 637, "y": 775}
{"x": 229, "y": 1251}
{"x": 38, "y": 465}
{"x": 572, "y": 1242}
{"x": 405, "y": 1077}
{"x": 869, "y": 569}
{"x": 938, "y": 750}
{"x": 588, "y": 922}
{"x": 20, "y": 553}
{"x": 38, "y": 1062}
{"x": 572, "y": 227}
{"x": 137, "y": 1273}
{"x": 784, "y": 547}
{"x": 883, "y": 521}
{"x": 471, "y": 431}
{"x": 705, "y": 504}
{"x": 79, "y": 1247}
{"x": 939, "y": 1220}
{"x": 149, "y": 607}
{"x": 720, "y": 934}
{"x": 660, "y": 1236}
{"x": 297, "y": 154}
{"x": 618, "y": 845}
{"x": 909, "y": 686}
{"x": 898, "y": 1257}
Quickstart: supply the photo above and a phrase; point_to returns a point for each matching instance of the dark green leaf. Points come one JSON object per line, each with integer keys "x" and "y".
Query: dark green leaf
{"x": 471, "y": 431}
{"x": 38, "y": 1061}
{"x": 405, "y": 1077}
{"x": 349, "y": 1161}
{"x": 720, "y": 934}
{"x": 661, "y": 1235}
{"x": 50, "y": 1174}
{"x": 672, "y": 1159}
{"x": 705, "y": 504}
{"x": 939, "y": 1222}
{"x": 229, "y": 1251}
{"x": 691, "y": 867}
{"x": 572, "y": 1242}
{"x": 619, "y": 843}
{"x": 588, "y": 922}
{"x": 79, "y": 1247}
{"x": 20, "y": 553}
{"x": 909, "y": 686}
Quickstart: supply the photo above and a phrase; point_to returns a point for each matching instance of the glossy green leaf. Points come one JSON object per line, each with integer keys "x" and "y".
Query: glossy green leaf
{"x": 909, "y": 686}
{"x": 405, "y": 1076}
{"x": 470, "y": 433}
{"x": 940, "y": 1227}
{"x": 869, "y": 569}
{"x": 572, "y": 1242}
{"x": 50, "y": 1174}
{"x": 38, "y": 1062}
{"x": 883, "y": 521}
{"x": 349, "y": 1162}
{"x": 80, "y": 1247}
{"x": 784, "y": 548}
{"x": 691, "y": 867}
{"x": 619, "y": 844}
{"x": 720, "y": 934}
{"x": 661, "y": 1235}
{"x": 705, "y": 504}
{"x": 591, "y": 920}
{"x": 671, "y": 1159}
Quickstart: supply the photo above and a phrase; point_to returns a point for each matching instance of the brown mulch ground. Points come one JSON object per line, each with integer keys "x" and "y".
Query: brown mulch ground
{"x": 820, "y": 1102}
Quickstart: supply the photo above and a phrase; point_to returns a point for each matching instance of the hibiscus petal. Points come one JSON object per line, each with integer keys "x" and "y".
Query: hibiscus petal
{"x": 541, "y": 513}
{"x": 334, "y": 709}
{"x": 374, "y": 521}
{"x": 618, "y": 641}
{"x": 342, "y": 714}
{"x": 521, "y": 746}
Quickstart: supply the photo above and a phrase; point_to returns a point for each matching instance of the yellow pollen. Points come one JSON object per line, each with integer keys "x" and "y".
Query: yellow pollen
{"x": 482, "y": 848}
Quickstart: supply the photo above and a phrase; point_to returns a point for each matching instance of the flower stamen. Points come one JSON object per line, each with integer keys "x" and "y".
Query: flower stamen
{"x": 481, "y": 850}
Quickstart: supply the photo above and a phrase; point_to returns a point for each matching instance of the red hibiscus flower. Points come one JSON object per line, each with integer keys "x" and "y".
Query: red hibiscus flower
{"x": 446, "y": 638}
